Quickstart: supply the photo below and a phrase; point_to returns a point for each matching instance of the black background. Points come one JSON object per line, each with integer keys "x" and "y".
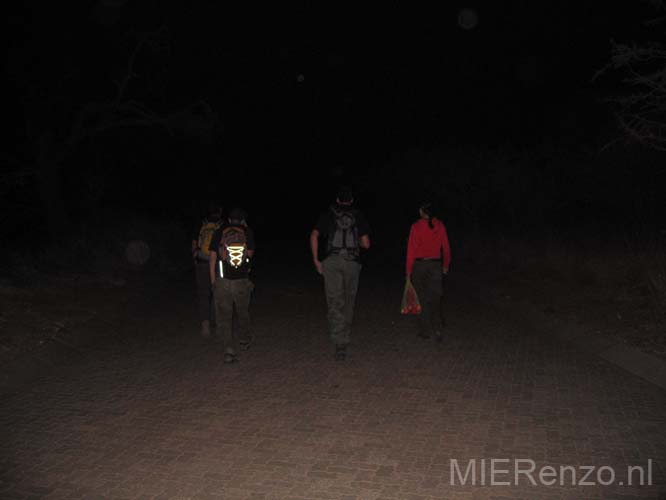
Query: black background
{"x": 306, "y": 98}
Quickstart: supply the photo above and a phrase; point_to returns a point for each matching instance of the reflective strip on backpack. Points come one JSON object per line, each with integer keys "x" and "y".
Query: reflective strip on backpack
{"x": 236, "y": 255}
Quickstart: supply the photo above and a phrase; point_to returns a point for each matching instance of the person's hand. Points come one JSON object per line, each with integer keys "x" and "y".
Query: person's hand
{"x": 445, "y": 270}
{"x": 195, "y": 252}
{"x": 319, "y": 266}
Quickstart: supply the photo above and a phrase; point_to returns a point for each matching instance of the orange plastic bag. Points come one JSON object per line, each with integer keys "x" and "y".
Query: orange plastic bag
{"x": 410, "y": 301}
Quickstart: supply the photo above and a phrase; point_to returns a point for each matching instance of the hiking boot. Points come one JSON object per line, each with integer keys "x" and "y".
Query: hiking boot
{"x": 205, "y": 328}
{"x": 245, "y": 344}
{"x": 230, "y": 357}
{"x": 340, "y": 352}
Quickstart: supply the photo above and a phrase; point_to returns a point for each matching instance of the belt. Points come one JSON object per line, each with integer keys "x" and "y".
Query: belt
{"x": 429, "y": 259}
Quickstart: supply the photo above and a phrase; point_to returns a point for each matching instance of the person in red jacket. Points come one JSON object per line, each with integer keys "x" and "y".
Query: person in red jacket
{"x": 428, "y": 257}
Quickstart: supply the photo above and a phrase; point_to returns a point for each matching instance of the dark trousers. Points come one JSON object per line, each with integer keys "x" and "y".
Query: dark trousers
{"x": 230, "y": 296}
{"x": 205, "y": 301}
{"x": 427, "y": 281}
{"x": 341, "y": 278}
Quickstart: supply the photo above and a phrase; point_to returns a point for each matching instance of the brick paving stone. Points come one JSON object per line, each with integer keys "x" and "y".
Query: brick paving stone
{"x": 163, "y": 417}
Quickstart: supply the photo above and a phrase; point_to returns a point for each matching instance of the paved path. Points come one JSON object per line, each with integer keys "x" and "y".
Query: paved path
{"x": 158, "y": 415}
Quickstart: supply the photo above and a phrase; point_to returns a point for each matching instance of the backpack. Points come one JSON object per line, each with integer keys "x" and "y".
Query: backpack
{"x": 205, "y": 237}
{"x": 343, "y": 236}
{"x": 233, "y": 246}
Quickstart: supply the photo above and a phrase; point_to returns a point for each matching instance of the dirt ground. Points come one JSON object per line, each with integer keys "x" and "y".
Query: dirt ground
{"x": 109, "y": 392}
{"x": 624, "y": 312}
{"x": 56, "y": 316}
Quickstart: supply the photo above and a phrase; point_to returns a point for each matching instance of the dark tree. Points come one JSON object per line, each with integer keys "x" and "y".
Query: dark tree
{"x": 68, "y": 98}
{"x": 641, "y": 108}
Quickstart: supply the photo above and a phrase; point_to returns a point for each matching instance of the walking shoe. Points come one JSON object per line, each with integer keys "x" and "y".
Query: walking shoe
{"x": 205, "y": 328}
{"x": 424, "y": 335}
{"x": 245, "y": 344}
{"x": 340, "y": 352}
{"x": 230, "y": 358}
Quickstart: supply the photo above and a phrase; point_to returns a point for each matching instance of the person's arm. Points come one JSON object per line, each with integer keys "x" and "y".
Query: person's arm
{"x": 363, "y": 231}
{"x": 211, "y": 266}
{"x": 314, "y": 248}
{"x": 446, "y": 251}
{"x": 194, "y": 247}
{"x": 251, "y": 245}
{"x": 212, "y": 255}
{"x": 411, "y": 248}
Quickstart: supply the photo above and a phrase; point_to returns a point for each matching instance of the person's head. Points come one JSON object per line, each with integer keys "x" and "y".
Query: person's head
{"x": 426, "y": 212}
{"x": 238, "y": 216}
{"x": 345, "y": 196}
{"x": 213, "y": 209}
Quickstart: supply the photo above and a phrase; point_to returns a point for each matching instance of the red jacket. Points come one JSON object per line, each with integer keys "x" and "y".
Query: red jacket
{"x": 426, "y": 243}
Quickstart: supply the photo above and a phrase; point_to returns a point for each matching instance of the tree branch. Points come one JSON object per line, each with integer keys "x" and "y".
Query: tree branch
{"x": 130, "y": 74}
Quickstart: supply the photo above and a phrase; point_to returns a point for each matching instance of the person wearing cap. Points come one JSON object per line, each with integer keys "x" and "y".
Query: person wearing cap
{"x": 232, "y": 249}
{"x": 345, "y": 230}
{"x": 428, "y": 258}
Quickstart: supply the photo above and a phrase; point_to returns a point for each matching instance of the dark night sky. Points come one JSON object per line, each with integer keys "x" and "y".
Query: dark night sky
{"x": 382, "y": 71}
{"x": 373, "y": 83}
{"x": 407, "y": 76}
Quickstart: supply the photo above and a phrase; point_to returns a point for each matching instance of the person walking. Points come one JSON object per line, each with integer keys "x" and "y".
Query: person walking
{"x": 345, "y": 231}
{"x": 428, "y": 258}
{"x": 201, "y": 238}
{"x": 231, "y": 251}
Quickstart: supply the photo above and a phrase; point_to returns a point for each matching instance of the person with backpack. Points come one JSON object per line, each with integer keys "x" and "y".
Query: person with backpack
{"x": 428, "y": 258}
{"x": 231, "y": 250}
{"x": 200, "y": 254}
{"x": 345, "y": 230}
